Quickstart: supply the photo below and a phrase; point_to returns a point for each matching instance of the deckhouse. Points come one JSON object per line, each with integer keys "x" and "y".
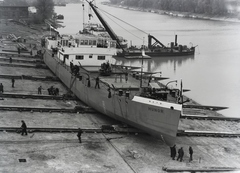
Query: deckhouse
{"x": 84, "y": 49}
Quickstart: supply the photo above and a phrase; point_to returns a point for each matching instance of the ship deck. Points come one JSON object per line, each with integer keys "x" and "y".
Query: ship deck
{"x": 99, "y": 152}
{"x": 117, "y": 78}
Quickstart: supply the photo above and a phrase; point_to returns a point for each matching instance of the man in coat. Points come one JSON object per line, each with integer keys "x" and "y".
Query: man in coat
{"x": 24, "y": 128}
{"x": 79, "y": 134}
{"x": 190, "y": 153}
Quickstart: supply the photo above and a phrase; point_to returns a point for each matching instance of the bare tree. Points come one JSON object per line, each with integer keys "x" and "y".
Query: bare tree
{"x": 45, "y": 9}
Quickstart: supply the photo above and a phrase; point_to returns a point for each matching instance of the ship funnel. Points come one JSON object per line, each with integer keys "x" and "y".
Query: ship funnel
{"x": 175, "y": 40}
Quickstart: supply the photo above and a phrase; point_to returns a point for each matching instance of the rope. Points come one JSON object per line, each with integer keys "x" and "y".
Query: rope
{"x": 123, "y": 22}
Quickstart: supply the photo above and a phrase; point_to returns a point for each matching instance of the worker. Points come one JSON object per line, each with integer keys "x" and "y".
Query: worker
{"x": 19, "y": 51}
{"x": 24, "y": 128}
{"x": 10, "y": 60}
{"x": 109, "y": 93}
{"x": 40, "y": 90}
{"x": 13, "y": 81}
{"x": 71, "y": 66}
{"x": 56, "y": 91}
{"x": 126, "y": 77}
{"x": 79, "y": 134}
{"x": 180, "y": 154}
{"x": 1, "y": 88}
{"x": 173, "y": 152}
{"x": 190, "y": 153}
{"x": 51, "y": 90}
{"x": 97, "y": 83}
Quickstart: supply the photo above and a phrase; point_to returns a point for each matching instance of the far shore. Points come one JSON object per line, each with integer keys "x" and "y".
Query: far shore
{"x": 179, "y": 14}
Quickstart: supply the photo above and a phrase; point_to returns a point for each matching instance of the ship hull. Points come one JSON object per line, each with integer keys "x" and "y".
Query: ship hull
{"x": 145, "y": 114}
{"x": 155, "y": 54}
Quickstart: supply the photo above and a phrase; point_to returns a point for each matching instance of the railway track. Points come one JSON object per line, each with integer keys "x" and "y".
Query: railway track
{"x": 81, "y": 109}
{"x": 196, "y": 133}
{"x": 40, "y": 66}
{"x": 28, "y": 77}
{"x": 36, "y": 96}
{"x": 206, "y": 117}
{"x": 102, "y": 129}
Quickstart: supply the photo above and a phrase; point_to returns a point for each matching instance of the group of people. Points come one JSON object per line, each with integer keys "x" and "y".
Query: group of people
{"x": 2, "y": 87}
{"x": 180, "y": 153}
{"x": 51, "y": 90}
{"x": 74, "y": 69}
{"x": 105, "y": 69}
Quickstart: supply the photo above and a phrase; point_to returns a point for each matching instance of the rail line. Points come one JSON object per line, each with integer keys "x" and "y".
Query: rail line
{"x": 121, "y": 130}
{"x": 21, "y": 60}
{"x": 102, "y": 129}
{"x": 191, "y": 133}
{"x": 206, "y": 117}
{"x": 36, "y": 96}
{"x": 205, "y": 107}
{"x": 41, "y": 66}
{"x": 204, "y": 169}
{"x": 81, "y": 109}
{"x": 28, "y": 77}
{"x": 16, "y": 55}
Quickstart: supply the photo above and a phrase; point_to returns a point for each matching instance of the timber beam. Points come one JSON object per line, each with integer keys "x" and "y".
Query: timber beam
{"x": 28, "y": 77}
{"x": 207, "y": 134}
{"x": 204, "y": 117}
{"x": 41, "y": 66}
{"x": 81, "y": 109}
{"x": 36, "y": 96}
{"x": 204, "y": 169}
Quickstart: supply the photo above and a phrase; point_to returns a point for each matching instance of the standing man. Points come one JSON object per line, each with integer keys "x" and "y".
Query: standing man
{"x": 79, "y": 134}
{"x": 40, "y": 90}
{"x": 190, "y": 153}
{"x": 1, "y": 88}
{"x": 71, "y": 66}
{"x": 173, "y": 152}
{"x": 19, "y": 51}
{"x": 13, "y": 81}
{"x": 97, "y": 83}
{"x": 10, "y": 59}
{"x": 180, "y": 154}
{"x": 24, "y": 128}
{"x": 126, "y": 77}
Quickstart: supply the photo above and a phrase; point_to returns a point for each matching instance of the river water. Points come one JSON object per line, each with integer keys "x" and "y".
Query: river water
{"x": 212, "y": 75}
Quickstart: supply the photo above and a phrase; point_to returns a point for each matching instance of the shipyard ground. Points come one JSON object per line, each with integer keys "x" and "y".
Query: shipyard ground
{"x": 99, "y": 152}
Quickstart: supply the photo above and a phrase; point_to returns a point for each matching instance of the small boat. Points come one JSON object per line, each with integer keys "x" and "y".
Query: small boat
{"x": 85, "y": 63}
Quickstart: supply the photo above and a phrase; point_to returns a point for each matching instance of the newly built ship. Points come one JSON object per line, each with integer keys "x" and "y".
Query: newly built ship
{"x": 85, "y": 64}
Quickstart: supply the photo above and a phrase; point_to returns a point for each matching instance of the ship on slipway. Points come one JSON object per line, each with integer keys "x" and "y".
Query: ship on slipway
{"x": 84, "y": 62}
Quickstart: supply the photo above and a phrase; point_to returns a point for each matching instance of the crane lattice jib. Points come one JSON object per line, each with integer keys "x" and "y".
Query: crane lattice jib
{"x": 150, "y": 37}
{"x": 104, "y": 23}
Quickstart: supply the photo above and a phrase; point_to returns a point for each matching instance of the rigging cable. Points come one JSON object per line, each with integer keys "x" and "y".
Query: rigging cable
{"x": 125, "y": 23}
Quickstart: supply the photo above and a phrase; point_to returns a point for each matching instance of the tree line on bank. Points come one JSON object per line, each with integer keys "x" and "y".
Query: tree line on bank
{"x": 45, "y": 8}
{"x": 210, "y": 7}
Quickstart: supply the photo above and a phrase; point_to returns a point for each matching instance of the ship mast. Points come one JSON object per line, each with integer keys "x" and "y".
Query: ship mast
{"x": 105, "y": 24}
{"x": 83, "y": 16}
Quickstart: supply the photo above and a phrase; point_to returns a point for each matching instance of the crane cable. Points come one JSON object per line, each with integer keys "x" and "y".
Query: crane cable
{"x": 123, "y": 22}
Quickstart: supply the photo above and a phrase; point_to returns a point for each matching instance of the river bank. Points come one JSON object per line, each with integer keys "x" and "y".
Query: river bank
{"x": 178, "y": 14}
